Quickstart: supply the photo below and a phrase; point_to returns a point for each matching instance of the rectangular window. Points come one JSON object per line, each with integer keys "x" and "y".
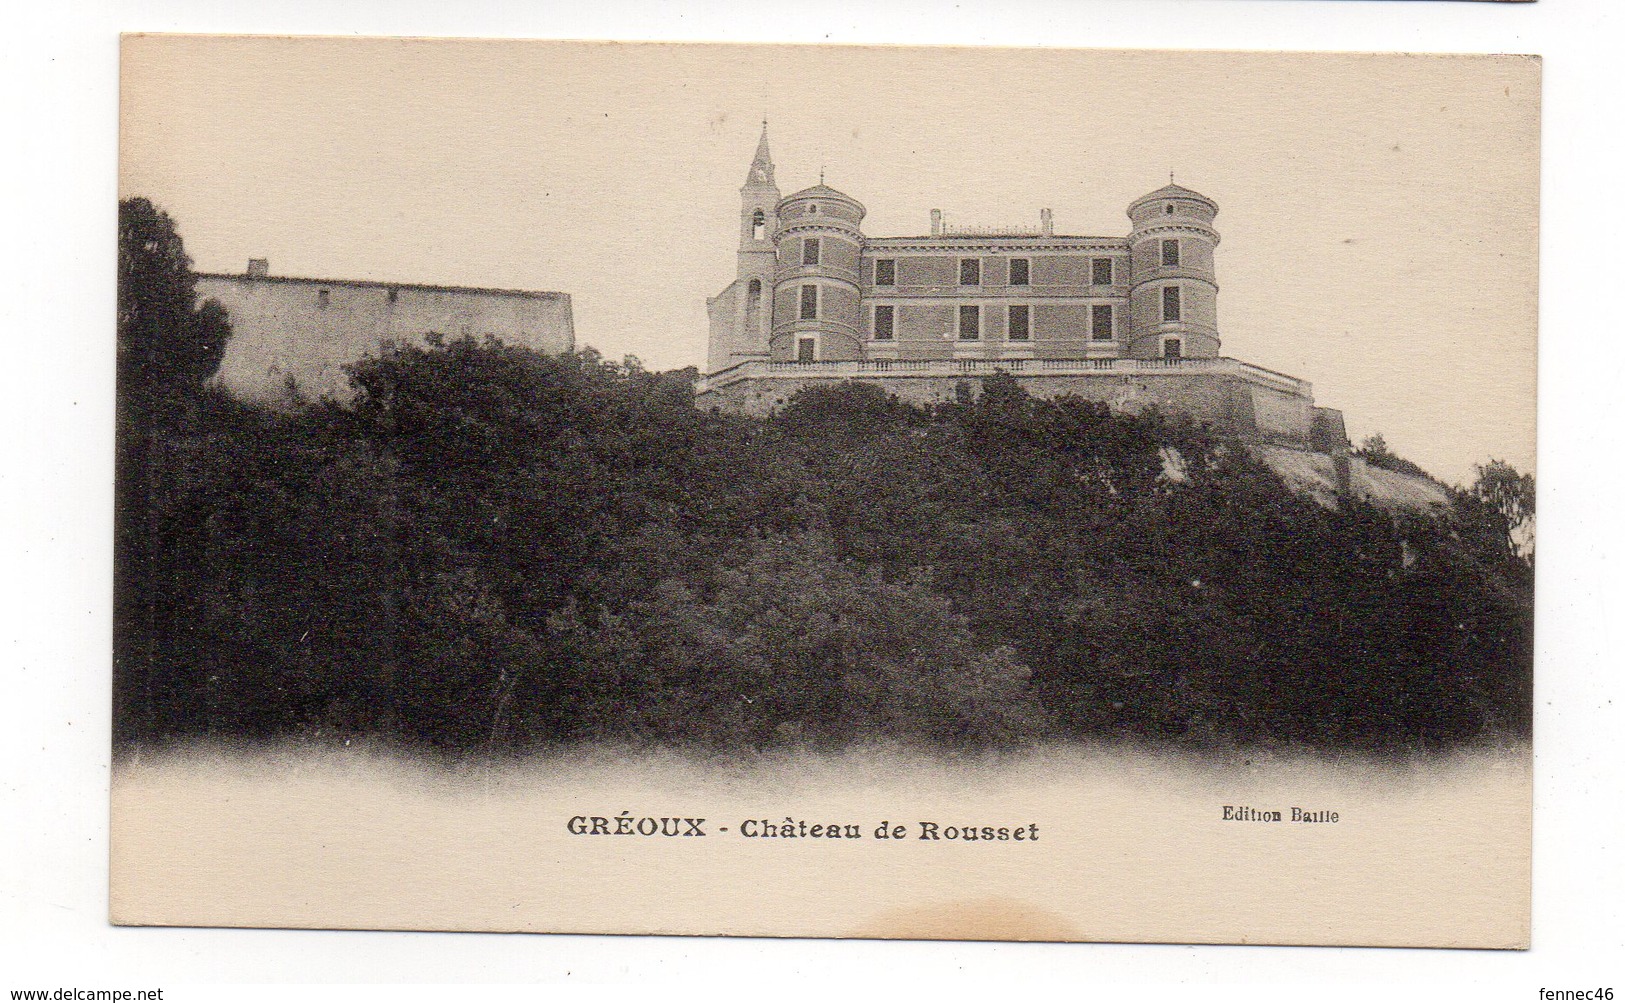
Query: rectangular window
{"x": 809, "y": 302}
{"x": 1100, "y": 323}
{"x": 1018, "y": 271}
{"x": 1103, "y": 271}
{"x": 1170, "y": 302}
{"x": 884, "y": 323}
{"x": 805, "y": 349}
{"x": 885, "y": 272}
{"x": 1170, "y": 253}
{"x": 970, "y": 271}
{"x": 970, "y": 323}
{"x": 323, "y": 297}
{"x": 809, "y": 251}
{"x": 1020, "y": 323}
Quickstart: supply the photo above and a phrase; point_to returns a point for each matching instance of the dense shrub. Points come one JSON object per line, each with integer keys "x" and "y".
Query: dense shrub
{"x": 492, "y": 548}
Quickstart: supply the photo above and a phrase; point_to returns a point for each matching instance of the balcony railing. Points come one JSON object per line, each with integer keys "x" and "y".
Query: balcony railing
{"x": 858, "y": 369}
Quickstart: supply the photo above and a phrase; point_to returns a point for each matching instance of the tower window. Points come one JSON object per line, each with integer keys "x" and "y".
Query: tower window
{"x": 1168, "y": 209}
{"x": 885, "y": 323}
{"x": 809, "y": 302}
{"x": 1102, "y": 271}
{"x": 885, "y": 271}
{"x": 970, "y": 323}
{"x": 970, "y": 271}
{"x": 806, "y": 350}
{"x": 1170, "y": 253}
{"x": 1170, "y": 302}
{"x": 394, "y": 294}
{"x": 1019, "y": 271}
{"x": 323, "y": 297}
{"x": 1020, "y": 323}
{"x": 758, "y": 225}
{"x": 1100, "y": 322}
{"x": 813, "y": 208}
{"x": 1173, "y": 348}
{"x": 809, "y": 251}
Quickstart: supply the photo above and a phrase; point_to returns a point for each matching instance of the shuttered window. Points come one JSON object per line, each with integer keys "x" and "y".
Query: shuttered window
{"x": 884, "y": 323}
{"x": 970, "y": 323}
{"x": 1020, "y": 323}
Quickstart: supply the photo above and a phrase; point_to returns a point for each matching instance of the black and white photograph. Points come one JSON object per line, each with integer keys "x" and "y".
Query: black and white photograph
{"x": 825, "y": 491}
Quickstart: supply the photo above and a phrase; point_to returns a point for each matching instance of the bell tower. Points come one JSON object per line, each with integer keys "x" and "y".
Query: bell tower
{"x": 758, "y": 221}
{"x": 742, "y": 316}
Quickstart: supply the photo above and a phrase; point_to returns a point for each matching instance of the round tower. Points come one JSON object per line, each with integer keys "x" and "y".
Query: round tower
{"x": 817, "y": 312}
{"x": 1173, "y": 294}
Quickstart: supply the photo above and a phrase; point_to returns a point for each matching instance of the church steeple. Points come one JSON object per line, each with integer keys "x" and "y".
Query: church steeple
{"x": 758, "y": 210}
{"x": 742, "y": 317}
{"x": 761, "y": 168}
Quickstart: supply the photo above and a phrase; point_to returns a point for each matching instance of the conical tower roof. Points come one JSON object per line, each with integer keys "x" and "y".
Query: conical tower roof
{"x": 819, "y": 189}
{"x": 823, "y": 191}
{"x": 1173, "y": 191}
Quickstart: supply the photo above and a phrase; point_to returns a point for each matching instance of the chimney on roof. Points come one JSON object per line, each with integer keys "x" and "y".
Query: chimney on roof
{"x": 259, "y": 268}
{"x": 936, "y": 222}
{"x": 1046, "y": 222}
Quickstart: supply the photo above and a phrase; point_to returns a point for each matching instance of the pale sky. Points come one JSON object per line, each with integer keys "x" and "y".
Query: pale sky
{"x": 1377, "y": 213}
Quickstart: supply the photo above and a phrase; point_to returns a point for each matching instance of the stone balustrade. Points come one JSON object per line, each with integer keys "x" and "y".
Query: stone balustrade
{"x": 870, "y": 368}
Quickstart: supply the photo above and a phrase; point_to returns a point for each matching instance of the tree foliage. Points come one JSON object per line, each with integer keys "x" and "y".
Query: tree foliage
{"x": 168, "y": 343}
{"x": 167, "y": 347}
{"x": 1374, "y": 450}
{"x": 490, "y": 548}
{"x": 1509, "y": 498}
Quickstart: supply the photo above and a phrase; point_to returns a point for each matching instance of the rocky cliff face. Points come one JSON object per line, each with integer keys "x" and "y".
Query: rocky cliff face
{"x": 1314, "y": 474}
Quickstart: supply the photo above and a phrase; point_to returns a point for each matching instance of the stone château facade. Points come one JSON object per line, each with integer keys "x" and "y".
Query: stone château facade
{"x": 305, "y": 331}
{"x": 1131, "y": 321}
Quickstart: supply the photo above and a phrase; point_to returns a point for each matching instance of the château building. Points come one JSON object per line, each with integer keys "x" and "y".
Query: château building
{"x": 296, "y": 333}
{"x": 1131, "y": 321}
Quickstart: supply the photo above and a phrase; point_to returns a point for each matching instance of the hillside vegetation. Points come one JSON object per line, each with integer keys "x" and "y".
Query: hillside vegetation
{"x": 492, "y": 548}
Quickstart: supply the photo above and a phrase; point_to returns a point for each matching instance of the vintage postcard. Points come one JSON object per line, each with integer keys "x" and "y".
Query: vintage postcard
{"x": 825, "y": 491}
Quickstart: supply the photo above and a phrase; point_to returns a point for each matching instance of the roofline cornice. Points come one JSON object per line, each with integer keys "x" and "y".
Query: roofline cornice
{"x": 962, "y": 244}
{"x": 372, "y": 284}
{"x": 1185, "y": 227}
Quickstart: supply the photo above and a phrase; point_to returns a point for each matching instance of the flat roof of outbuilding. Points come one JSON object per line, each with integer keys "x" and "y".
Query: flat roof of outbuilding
{"x": 369, "y": 284}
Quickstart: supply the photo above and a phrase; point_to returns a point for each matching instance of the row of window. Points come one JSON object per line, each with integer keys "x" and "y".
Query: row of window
{"x": 970, "y": 269}
{"x": 324, "y": 297}
{"x": 1018, "y": 323}
{"x": 970, "y": 316}
{"x": 807, "y": 349}
{"x": 1021, "y": 269}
